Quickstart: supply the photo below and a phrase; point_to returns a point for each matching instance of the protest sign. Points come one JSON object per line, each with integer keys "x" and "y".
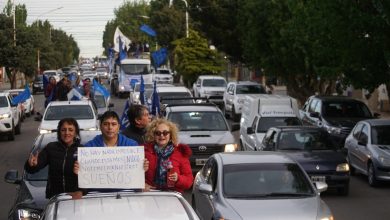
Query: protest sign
{"x": 111, "y": 167}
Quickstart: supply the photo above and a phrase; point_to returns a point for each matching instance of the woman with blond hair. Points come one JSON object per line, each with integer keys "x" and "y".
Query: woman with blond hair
{"x": 169, "y": 164}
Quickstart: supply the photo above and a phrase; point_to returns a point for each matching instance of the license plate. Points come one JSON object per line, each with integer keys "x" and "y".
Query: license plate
{"x": 318, "y": 178}
{"x": 200, "y": 162}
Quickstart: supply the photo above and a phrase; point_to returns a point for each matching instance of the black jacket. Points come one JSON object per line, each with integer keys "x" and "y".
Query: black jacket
{"x": 60, "y": 160}
{"x": 135, "y": 133}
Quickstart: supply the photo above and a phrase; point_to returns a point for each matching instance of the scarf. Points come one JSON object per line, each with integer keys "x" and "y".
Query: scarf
{"x": 163, "y": 161}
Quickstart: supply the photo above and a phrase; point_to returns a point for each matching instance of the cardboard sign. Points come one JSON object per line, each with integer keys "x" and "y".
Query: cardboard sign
{"x": 111, "y": 167}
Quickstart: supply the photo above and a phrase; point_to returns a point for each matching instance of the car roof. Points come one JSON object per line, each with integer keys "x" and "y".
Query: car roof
{"x": 124, "y": 205}
{"x": 73, "y": 102}
{"x": 4, "y": 93}
{"x": 375, "y": 122}
{"x": 245, "y": 83}
{"x": 208, "y": 107}
{"x": 172, "y": 89}
{"x": 211, "y": 77}
{"x": 298, "y": 128}
{"x": 336, "y": 98}
{"x": 253, "y": 157}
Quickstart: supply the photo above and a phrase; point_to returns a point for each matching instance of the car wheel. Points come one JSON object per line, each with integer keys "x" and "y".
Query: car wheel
{"x": 372, "y": 181}
{"x": 343, "y": 191}
{"x": 18, "y": 128}
{"x": 235, "y": 116}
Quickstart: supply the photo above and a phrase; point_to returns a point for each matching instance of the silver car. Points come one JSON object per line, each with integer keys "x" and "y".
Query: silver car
{"x": 121, "y": 205}
{"x": 368, "y": 148}
{"x": 257, "y": 185}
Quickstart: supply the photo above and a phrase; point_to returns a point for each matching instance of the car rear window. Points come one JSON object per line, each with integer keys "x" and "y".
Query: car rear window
{"x": 305, "y": 140}
{"x": 250, "y": 89}
{"x": 69, "y": 111}
{"x": 380, "y": 135}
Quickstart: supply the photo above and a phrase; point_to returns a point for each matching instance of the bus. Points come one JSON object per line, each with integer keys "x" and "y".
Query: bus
{"x": 128, "y": 73}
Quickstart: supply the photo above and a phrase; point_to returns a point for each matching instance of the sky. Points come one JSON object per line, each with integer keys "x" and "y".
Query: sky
{"x": 83, "y": 19}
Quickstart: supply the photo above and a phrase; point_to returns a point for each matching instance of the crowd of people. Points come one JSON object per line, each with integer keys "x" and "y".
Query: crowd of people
{"x": 166, "y": 163}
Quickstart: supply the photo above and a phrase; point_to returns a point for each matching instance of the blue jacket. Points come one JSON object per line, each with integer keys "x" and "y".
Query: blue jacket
{"x": 122, "y": 141}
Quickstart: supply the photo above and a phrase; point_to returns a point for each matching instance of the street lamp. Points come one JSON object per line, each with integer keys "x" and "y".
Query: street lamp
{"x": 185, "y": 2}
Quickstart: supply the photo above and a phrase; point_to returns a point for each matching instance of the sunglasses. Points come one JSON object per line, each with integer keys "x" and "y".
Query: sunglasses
{"x": 159, "y": 133}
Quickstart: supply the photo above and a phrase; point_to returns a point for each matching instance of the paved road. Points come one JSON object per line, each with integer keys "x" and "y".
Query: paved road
{"x": 363, "y": 202}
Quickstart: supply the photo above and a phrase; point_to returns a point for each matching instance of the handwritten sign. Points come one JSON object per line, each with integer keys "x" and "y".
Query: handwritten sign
{"x": 111, "y": 167}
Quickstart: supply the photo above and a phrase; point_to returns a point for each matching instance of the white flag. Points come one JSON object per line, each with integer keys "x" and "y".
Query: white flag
{"x": 126, "y": 41}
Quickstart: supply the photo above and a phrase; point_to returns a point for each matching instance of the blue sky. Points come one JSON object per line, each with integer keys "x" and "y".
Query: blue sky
{"x": 84, "y": 19}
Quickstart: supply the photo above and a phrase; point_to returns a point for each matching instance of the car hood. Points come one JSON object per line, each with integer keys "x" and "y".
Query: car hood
{"x": 36, "y": 191}
{"x": 318, "y": 161}
{"x": 83, "y": 124}
{"x": 343, "y": 122}
{"x": 383, "y": 150}
{"x": 296, "y": 208}
{"x": 5, "y": 110}
{"x": 206, "y": 137}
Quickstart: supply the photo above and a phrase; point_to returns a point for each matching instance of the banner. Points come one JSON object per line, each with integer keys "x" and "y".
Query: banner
{"x": 125, "y": 41}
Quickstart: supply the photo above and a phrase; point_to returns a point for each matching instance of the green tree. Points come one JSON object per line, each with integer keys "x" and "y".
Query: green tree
{"x": 194, "y": 58}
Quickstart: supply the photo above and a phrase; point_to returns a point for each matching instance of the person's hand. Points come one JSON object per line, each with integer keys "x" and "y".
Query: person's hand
{"x": 146, "y": 164}
{"x": 148, "y": 188}
{"x": 76, "y": 167}
{"x": 173, "y": 177}
{"x": 33, "y": 159}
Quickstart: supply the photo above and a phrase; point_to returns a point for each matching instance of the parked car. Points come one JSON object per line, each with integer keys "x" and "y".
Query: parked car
{"x": 10, "y": 116}
{"x": 368, "y": 148}
{"x": 84, "y": 111}
{"x": 204, "y": 128}
{"x": 234, "y": 96}
{"x": 335, "y": 114}
{"x": 120, "y": 205}
{"x": 28, "y": 105}
{"x": 37, "y": 84}
{"x": 312, "y": 149}
{"x": 30, "y": 188}
{"x": 257, "y": 185}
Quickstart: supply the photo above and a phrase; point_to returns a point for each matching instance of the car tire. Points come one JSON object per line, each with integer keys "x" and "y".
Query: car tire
{"x": 18, "y": 128}
{"x": 343, "y": 191}
{"x": 371, "y": 176}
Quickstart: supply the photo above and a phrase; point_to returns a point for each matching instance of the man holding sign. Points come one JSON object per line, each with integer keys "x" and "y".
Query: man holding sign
{"x": 111, "y": 160}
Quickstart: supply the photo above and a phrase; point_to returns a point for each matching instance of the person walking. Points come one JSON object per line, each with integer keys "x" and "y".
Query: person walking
{"x": 59, "y": 156}
{"x": 139, "y": 118}
{"x": 169, "y": 164}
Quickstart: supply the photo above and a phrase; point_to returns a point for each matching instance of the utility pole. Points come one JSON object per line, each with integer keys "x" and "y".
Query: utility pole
{"x": 14, "y": 10}
{"x": 39, "y": 62}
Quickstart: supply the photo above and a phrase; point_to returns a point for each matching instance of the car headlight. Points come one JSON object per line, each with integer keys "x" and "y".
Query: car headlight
{"x": 327, "y": 218}
{"x": 28, "y": 214}
{"x": 332, "y": 130}
{"x": 122, "y": 88}
{"x": 6, "y": 115}
{"x": 344, "y": 167}
{"x": 230, "y": 147}
{"x": 385, "y": 161}
{"x": 91, "y": 129}
{"x": 44, "y": 131}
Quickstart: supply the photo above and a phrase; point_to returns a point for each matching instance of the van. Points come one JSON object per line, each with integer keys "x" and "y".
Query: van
{"x": 263, "y": 111}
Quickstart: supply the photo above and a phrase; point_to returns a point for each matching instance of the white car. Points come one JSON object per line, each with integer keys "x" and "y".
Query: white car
{"x": 28, "y": 105}
{"x": 209, "y": 86}
{"x": 163, "y": 75}
{"x": 53, "y": 73}
{"x": 134, "y": 95}
{"x": 234, "y": 96}
{"x": 172, "y": 95}
{"x": 10, "y": 116}
{"x": 83, "y": 111}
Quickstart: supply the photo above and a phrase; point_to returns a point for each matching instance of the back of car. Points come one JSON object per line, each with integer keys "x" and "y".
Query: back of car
{"x": 163, "y": 76}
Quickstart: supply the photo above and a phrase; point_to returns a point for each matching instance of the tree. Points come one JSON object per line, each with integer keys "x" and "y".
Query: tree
{"x": 194, "y": 58}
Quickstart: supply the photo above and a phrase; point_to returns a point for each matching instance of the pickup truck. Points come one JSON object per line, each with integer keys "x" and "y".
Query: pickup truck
{"x": 10, "y": 116}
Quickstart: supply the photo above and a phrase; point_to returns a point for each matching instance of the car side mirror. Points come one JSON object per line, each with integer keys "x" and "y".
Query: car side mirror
{"x": 205, "y": 188}
{"x": 250, "y": 130}
{"x": 321, "y": 186}
{"x": 12, "y": 177}
{"x": 376, "y": 115}
{"x": 235, "y": 126}
{"x": 315, "y": 114}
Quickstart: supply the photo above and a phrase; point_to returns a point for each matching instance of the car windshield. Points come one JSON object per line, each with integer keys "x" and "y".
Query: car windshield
{"x": 380, "y": 135}
{"x": 3, "y": 101}
{"x": 265, "y": 180}
{"x": 250, "y": 89}
{"x": 199, "y": 121}
{"x": 304, "y": 140}
{"x": 69, "y": 111}
{"x": 167, "y": 95}
{"x": 346, "y": 109}
{"x": 50, "y": 73}
{"x": 214, "y": 83}
{"x": 163, "y": 72}
{"x": 266, "y": 122}
{"x": 100, "y": 101}
{"x": 135, "y": 69}
{"x": 101, "y": 70}
{"x": 38, "y": 78}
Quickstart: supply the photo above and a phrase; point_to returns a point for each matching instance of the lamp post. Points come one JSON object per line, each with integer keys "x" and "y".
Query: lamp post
{"x": 185, "y": 2}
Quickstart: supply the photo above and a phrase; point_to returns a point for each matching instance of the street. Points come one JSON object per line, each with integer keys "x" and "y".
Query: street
{"x": 363, "y": 202}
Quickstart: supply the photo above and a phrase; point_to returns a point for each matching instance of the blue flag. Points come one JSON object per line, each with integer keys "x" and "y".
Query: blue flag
{"x": 45, "y": 82}
{"x": 124, "y": 119}
{"x": 155, "y": 101}
{"x": 97, "y": 87}
{"x": 122, "y": 53}
{"x": 110, "y": 59}
{"x": 142, "y": 91}
{"x": 74, "y": 94}
{"x": 148, "y": 30}
{"x": 159, "y": 57}
{"x": 22, "y": 97}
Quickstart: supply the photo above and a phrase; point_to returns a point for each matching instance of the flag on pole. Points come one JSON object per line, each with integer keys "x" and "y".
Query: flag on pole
{"x": 125, "y": 41}
{"x": 159, "y": 57}
{"x": 97, "y": 87}
{"x": 73, "y": 94}
{"x": 124, "y": 119}
{"x": 22, "y": 97}
{"x": 142, "y": 91}
{"x": 155, "y": 101}
{"x": 45, "y": 81}
{"x": 148, "y": 30}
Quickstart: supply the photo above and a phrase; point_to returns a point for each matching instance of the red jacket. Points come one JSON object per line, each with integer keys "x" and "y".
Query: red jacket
{"x": 181, "y": 165}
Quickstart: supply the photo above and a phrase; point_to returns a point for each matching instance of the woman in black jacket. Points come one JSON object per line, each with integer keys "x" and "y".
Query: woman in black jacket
{"x": 60, "y": 157}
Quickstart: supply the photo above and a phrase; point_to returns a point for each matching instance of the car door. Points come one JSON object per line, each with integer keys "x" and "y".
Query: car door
{"x": 351, "y": 144}
{"x": 310, "y": 120}
{"x": 205, "y": 203}
{"x": 14, "y": 110}
{"x": 268, "y": 142}
{"x": 362, "y": 153}
{"x": 251, "y": 138}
